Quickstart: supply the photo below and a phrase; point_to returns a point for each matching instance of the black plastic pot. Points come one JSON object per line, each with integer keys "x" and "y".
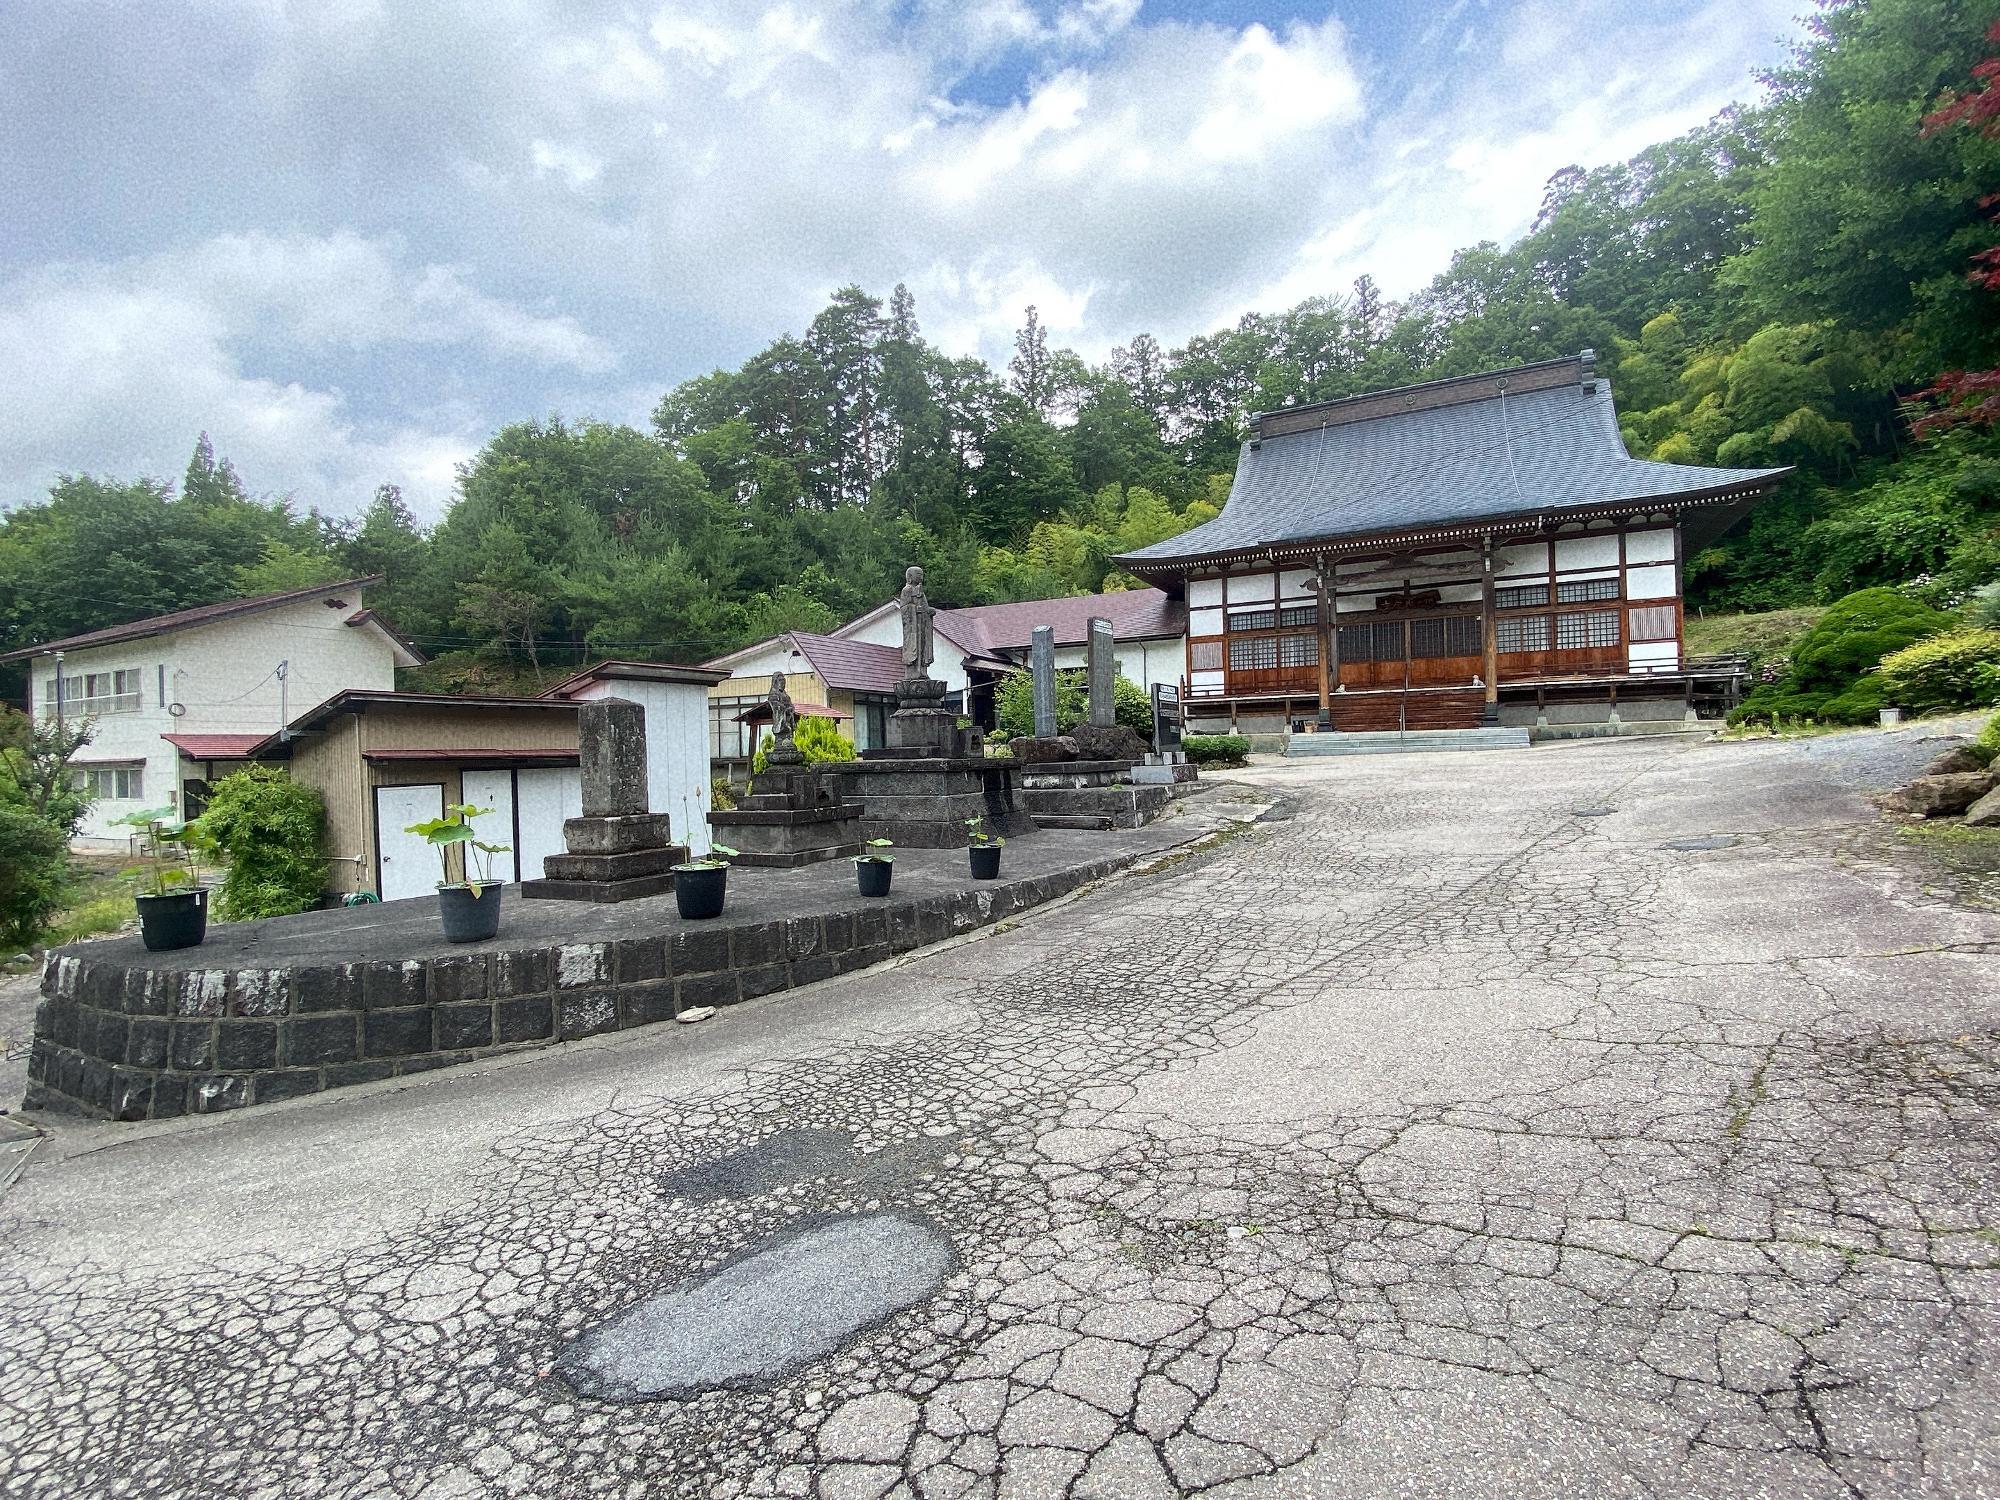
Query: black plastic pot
{"x": 873, "y": 875}
{"x": 985, "y": 861}
{"x": 178, "y": 919}
{"x": 699, "y": 890}
{"x": 470, "y": 916}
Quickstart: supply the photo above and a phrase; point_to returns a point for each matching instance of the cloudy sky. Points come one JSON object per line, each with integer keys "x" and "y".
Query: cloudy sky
{"x": 349, "y": 238}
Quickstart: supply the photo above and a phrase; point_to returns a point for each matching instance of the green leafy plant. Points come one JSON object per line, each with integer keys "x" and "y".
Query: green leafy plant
{"x": 818, "y": 739}
{"x": 34, "y": 875}
{"x": 271, "y": 830}
{"x": 1959, "y": 669}
{"x": 454, "y": 829}
{"x": 1216, "y": 749}
{"x": 976, "y": 832}
{"x": 167, "y": 851}
{"x": 874, "y": 853}
{"x": 1014, "y": 703}
{"x": 708, "y": 861}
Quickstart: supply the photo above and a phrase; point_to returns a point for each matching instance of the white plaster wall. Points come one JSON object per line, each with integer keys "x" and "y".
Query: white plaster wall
{"x": 223, "y": 672}
{"x": 1144, "y": 662}
{"x": 677, "y": 770}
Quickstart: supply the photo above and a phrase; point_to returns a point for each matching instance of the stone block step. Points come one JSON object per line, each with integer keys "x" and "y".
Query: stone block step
{"x": 1095, "y": 822}
{"x": 1500, "y": 737}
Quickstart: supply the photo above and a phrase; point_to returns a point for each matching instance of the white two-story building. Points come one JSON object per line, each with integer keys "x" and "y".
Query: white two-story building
{"x": 178, "y": 699}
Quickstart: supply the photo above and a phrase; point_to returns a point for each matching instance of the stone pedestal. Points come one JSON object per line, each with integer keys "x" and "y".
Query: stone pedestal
{"x": 922, "y": 802}
{"x": 793, "y": 816}
{"x": 619, "y": 850}
{"x": 1089, "y": 794}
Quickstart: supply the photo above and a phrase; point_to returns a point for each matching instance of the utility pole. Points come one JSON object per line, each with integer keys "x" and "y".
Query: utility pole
{"x": 284, "y": 697}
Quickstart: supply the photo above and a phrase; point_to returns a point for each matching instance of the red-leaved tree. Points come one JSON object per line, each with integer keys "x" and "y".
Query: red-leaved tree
{"x": 1970, "y": 396}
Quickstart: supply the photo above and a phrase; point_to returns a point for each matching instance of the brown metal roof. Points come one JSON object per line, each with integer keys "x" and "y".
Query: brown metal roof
{"x": 181, "y": 619}
{"x": 859, "y": 666}
{"x": 1135, "y": 614}
{"x": 215, "y": 746}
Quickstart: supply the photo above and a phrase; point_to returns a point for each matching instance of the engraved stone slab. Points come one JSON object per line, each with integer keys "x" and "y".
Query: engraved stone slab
{"x": 1103, "y": 668}
{"x": 748, "y": 1325}
{"x": 611, "y": 746}
{"x": 1042, "y": 664}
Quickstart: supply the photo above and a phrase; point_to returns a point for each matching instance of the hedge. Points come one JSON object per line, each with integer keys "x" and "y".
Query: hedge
{"x": 1216, "y": 749}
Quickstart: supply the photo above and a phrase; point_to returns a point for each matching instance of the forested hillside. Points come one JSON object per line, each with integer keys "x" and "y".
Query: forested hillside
{"x": 1800, "y": 281}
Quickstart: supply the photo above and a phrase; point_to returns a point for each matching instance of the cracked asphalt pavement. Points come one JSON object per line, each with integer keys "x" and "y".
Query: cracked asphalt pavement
{"x": 1435, "y": 1140}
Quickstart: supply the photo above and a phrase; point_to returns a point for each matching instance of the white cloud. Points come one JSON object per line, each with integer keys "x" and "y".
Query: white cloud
{"x": 476, "y": 212}
{"x": 119, "y": 366}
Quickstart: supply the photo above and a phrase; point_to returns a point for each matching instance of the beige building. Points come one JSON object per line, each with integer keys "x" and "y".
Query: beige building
{"x": 386, "y": 760}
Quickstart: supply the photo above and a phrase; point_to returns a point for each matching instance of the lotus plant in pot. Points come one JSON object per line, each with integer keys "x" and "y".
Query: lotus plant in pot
{"x": 468, "y": 908}
{"x": 173, "y": 905}
{"x": 701, "y": 885}
{"x": 983, "y": 846}
{"x": 874, "y": 866}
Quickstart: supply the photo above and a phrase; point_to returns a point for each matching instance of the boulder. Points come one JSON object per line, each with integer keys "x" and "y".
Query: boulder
{"x": 1959, "y": 761}
{"x": 1028, "y": 750}
{"x": 1985, "y": 813}
{"x": 1107, "y": 742}
{"x": 1946, "y": 796}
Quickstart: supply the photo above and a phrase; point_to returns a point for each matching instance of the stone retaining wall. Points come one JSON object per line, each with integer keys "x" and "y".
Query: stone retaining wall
{"x": 128, "y": 1042}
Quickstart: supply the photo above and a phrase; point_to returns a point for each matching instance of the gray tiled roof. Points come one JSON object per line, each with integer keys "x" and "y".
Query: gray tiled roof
{"x": 1459, "y": 460}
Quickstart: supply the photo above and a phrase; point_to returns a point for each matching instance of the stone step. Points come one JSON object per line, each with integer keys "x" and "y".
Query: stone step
{"x": 1095, "y": 822}
{"x": 1501, "y": 737}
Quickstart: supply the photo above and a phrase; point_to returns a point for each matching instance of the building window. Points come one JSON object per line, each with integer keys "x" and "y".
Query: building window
{"x": 871, "y": 720}
{"x": 1654, "y": 622}
{"x": 1204, "y": 656}
{"x": 1456, "y": 635}
{"x": 1256, "y": 653}
{"x": 89, "y": 694}
{"x": 1299, "y": 614}
{"x": 112, "y": 783}
{"x": 1586, "y": 590}
{"x": 1577, "y": 632}
{"x": 1522, "y": 633}
{"x": 1377, "y": 641}
{"x": 1253, "y": 619}
{"x": 1298, "y": 650}
{"x": 1521, "y": 595}
{"x": 727, "y": 739}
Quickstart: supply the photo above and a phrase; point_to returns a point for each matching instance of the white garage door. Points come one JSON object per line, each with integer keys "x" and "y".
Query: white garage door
{"x": 546, "y": 795}
{"x": 494, "y": 789}
{"x": 407, "y": 864}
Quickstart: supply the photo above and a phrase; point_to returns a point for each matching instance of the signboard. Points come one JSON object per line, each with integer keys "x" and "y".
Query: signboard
{"x": 1166, "y": 717}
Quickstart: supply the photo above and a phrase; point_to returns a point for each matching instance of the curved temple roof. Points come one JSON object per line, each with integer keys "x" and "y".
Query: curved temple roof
{"x": 1509, "y": 445}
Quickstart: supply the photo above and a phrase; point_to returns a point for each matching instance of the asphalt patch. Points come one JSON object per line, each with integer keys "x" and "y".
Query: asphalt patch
{"x": 1593, "y": 812}
{"x": 1711, "y": 841}
{"x": 788, "y": 1302}
{"x": 791, "y": 1157}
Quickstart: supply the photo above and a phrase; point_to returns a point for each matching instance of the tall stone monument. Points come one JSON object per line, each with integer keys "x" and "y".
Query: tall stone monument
{"x": 1102, "y": 666}
{"x": 618, "y": 849}
{"x": 921, "y": 724}
{"x": 920, "y": 789}
{"x": 784, "y": 749}
{"x": 1042, "y": 669}
{"x": 795, "y": 814}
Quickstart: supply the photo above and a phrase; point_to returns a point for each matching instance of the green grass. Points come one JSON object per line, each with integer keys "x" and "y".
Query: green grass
{"x": 99, "y": 903}
{"x": 1760, "y": 636}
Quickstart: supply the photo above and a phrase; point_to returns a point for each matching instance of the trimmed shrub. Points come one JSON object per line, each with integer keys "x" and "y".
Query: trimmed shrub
{"x": 1959, "y": 669}
{"x": 1014, "y": 704}
{"x": 819, "y": 740}
{"x": 1216, "y": 749}
{"x": 1856, "y": 633}
{"x": 272, "y": 831}
{"x": 34, "y": 874}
